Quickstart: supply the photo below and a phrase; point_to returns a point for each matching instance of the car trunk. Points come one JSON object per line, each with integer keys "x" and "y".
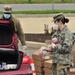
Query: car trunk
{"x": 10, "y": 60}
{"x": 14, "y": 57}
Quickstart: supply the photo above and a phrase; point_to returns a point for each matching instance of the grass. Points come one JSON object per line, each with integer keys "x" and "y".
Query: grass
{"x": 33, "y": 1}
{"x": 42, "y": 11}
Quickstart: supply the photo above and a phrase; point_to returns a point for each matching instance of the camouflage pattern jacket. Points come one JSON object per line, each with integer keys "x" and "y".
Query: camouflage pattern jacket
{"x": 63, "y": 53}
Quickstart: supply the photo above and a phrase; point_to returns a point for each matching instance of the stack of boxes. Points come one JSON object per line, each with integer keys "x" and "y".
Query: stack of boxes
{"x": 48, "y": 67}
{"x": 39, "y": 62}
{"x": 72, "y": 69}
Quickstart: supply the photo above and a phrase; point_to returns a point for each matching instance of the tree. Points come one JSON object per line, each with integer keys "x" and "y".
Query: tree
{"x": 29, "y": 1}
{"x": 62, "y": 1}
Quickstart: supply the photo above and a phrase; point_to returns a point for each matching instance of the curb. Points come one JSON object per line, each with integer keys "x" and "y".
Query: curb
{"x": 40, "y": 15}
{"x": 34, "y": 44}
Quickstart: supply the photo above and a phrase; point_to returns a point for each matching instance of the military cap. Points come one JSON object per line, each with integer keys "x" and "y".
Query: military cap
{"x": 58, "y": 16}
{"x": 7, "y": 9}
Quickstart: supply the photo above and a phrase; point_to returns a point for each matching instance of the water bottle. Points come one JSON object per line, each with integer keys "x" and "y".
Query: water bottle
{"x": 0, "y": 67}
{"x": 3, "y": 65}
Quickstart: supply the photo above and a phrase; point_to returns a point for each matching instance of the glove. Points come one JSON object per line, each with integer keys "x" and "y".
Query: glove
{"x": 53, "y": 45}
{"x": 23, "y": 48}
{"x": 49, "y": 48}
{"x": 55, "y": 40}
{"x": 42, "y": 53}
{"x": 43, "y": 48}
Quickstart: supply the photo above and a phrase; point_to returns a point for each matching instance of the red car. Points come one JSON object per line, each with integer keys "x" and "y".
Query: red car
{"x": 12, "y": 61}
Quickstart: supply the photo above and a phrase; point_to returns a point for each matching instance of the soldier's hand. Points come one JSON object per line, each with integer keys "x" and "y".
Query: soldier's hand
{"x": 23, "y": 48}
{"x": 53, "y": 45}
{"x": 55, "y": 41}
{"x": 49, "y": 48}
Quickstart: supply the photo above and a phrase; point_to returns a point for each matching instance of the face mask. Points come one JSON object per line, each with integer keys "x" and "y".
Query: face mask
{"x": 55, "y": 27}
{"x": 6, "y": 16}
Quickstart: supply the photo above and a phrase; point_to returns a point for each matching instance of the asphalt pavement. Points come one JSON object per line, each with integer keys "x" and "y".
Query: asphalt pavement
{"x": 31, "y": 50}
{"x": 20, "y": 7}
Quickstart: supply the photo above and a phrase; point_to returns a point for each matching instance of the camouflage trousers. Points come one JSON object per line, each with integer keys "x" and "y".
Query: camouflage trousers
{"x": 60, "y": 69}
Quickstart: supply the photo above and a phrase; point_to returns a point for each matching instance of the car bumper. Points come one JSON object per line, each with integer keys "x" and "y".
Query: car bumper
{"x": 25, "y": 69}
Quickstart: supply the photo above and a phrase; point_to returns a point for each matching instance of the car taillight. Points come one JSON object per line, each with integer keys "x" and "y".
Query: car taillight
{"x": 26, "y": 60}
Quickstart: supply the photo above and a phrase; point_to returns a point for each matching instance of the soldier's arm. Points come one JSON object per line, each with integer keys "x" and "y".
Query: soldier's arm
{"x": 66, "y": 46}
{"x": 20, "y": 33}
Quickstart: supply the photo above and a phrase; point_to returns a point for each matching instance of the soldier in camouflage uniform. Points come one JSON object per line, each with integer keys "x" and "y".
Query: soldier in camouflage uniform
{"x": 63, "y": 53}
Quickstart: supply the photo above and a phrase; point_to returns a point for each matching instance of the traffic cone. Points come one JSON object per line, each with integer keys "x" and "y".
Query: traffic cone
{"x": 26, "y": 60}
{"x": 32, "y": 66}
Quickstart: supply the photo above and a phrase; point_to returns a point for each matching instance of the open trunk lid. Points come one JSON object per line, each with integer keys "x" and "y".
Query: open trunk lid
{"x": 10, "y": 60}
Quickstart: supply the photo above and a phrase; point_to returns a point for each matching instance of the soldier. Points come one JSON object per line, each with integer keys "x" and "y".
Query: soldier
{"x": 7, "y": 14}
{"x": 62, "y": 53}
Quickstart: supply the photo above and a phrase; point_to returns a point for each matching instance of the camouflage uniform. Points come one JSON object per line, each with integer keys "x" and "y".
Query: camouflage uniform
{"x": 63, "y": 54}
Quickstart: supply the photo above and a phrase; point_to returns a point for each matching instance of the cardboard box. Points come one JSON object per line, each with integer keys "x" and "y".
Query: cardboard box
{"x": 38, "y": 73}
{"x": 39, "y": 69}
{"x": 48, "y": 70}
{"x": 72, "y": 71}
{"x": 47, "y": 74}
{"x": 48, "y": 64}
{"x": 38, "y": 63}
{"x": 36, "y": 56}
{"x": 74, "y": 46}
{"x": 47, "y": 67}
{"x": 49, "y": 56}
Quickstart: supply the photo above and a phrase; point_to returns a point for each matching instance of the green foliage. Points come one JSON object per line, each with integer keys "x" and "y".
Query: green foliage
{"x": 42, "y": 12}
{"x": 33, "y": 1}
